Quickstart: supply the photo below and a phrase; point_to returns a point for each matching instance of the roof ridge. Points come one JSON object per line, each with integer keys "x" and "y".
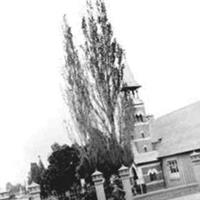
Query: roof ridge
{"x": 177, "y": 110}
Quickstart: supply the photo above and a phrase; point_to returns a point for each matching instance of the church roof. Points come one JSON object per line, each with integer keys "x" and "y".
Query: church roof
{"x": 178, "y": 131}
{"x": 129, "y": 79}
{"x": 146, "y": 157}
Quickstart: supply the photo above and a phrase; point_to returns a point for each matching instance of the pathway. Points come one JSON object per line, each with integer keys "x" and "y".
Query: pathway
{"x": 189, "y": 197}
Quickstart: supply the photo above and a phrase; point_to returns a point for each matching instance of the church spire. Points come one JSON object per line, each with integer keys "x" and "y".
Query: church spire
{"x": 137, "y": 124}
{"x": 130, "y": 88}
{"x": 129, "y": 83}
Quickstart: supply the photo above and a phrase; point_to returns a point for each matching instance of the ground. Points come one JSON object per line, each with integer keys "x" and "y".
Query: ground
{"x": 189, "y": 197}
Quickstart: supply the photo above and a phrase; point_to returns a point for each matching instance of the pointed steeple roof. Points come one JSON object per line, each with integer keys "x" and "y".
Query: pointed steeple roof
{"x": 129, "y": 81}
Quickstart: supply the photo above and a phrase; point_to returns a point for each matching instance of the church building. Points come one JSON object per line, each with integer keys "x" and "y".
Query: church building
{"x": 166, "y": 150}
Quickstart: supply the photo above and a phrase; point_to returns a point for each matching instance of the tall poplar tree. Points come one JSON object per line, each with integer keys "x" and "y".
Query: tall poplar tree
{"x": 93, "y": 77}
{"x": 93, "y": 83}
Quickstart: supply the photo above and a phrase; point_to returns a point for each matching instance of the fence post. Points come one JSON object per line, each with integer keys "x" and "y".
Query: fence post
{"x": 124, "y": 175}
{"x": 98, "y": 180}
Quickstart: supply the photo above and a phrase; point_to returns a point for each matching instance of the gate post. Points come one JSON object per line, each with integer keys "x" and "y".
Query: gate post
{"x": 98, "y": 180}
{"x": 34, "y": 191}
{"x": 124, "y": 175}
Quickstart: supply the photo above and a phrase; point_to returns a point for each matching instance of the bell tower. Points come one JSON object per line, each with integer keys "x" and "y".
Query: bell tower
{"x": 137, "y": 124}
{"x": 137, "y": 132}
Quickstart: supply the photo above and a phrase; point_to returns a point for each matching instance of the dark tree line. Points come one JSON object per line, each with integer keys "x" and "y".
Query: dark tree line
{"x": 68, "y": 164}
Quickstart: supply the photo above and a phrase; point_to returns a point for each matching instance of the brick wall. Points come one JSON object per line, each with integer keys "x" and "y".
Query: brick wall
{"x": 156, "y": 185}
{"x": 186, "y": 170}
{"x": 143, "y": 143}
{"x": 139, "y": 128}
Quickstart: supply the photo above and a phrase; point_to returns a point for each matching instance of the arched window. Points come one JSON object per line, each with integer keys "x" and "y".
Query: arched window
{"x": 132, "y": 137}
{"x": 142, "y": 134}
{"x": 141, "y": 117}
{"x": 152, "y": 173}
{"x": 153, "y": 176}
{"x": 137, "y": 117}
{"x": 145, "y": 148}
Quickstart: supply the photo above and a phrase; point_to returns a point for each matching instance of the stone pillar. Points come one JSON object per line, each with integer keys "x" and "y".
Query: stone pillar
{"x": 195, "y": 157}
{"x": 34, "y": 191}
{"x": 124, "y": 175}
{"x": 98, "y": 180}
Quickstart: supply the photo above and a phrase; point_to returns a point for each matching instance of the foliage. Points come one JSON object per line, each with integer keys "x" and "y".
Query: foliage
{"x": 97, "y": 155}
{"x": 93, "y": 78}
{"x": 93, "y": 81}
{"x": 93, "y": 85}
{"x": 68, "y": 164}
{"x": 61, "y": 172}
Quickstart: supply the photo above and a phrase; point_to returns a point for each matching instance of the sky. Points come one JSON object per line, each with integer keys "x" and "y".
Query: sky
{"x": 162, "y": 44}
